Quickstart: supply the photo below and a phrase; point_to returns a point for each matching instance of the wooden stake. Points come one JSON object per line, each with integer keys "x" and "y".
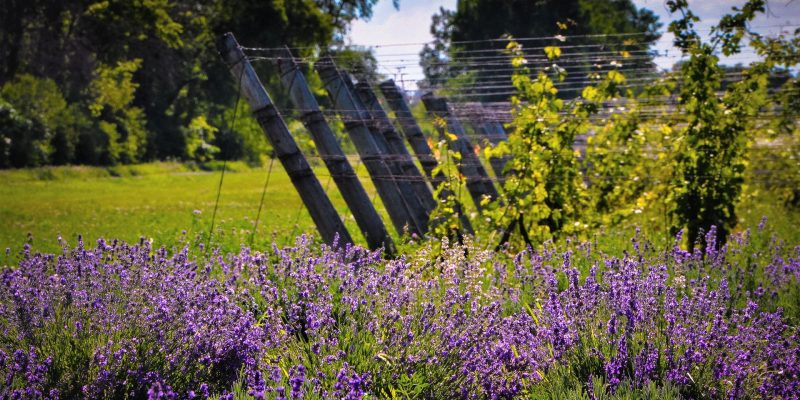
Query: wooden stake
{"x": 302, "y": 176}
{"x": 395, "y": 194}
{"x": 411, "y": 130}
{"x": 397, "y": 147}
{"x": 328, "y": 147}
{"x": 419, "y": 144}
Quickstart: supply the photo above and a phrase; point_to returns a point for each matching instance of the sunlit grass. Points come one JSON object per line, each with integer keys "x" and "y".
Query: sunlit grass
{"x": 156, "y": 201}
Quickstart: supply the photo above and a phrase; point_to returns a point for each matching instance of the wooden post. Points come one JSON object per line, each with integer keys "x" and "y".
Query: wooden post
{"x": 497, "y": 133}
{"x": 397, "y": 147}
{"x": 479, "y": 183}
{"x": 393, "y": 193}
{"x": 302, "y": 176}
{"x": 493, "y": 132}
{"x": 419, "y": 144}
{"x": 414, "y": 204}
{"x": 328, "y": 147}
{"x": 411, "y": 130}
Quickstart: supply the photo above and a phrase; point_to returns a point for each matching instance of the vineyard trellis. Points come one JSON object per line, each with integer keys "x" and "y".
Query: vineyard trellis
{"x": 383, "y": 130}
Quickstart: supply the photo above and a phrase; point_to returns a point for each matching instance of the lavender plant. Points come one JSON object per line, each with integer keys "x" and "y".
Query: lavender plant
{"x": 449, "y": 321}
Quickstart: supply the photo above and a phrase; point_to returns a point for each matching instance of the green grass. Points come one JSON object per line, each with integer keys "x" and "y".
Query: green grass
{"x": 156, "y": 201}
{"x": 160, "y": 201}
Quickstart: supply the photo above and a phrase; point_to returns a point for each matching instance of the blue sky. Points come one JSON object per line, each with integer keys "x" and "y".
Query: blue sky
{"x": 405, "y": 30}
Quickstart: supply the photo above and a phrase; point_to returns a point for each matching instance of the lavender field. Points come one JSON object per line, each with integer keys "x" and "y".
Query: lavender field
{"x": 481, "y": 199}
{"x": 127, "y": 320}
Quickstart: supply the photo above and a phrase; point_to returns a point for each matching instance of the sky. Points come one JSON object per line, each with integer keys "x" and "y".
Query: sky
{"x": 398, "y": 35}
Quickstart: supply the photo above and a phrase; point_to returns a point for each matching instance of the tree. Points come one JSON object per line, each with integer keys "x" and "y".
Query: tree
{"x": 461, "y": 35}
{"x": 178, "y": 77}
{"x": 712, "y": 156}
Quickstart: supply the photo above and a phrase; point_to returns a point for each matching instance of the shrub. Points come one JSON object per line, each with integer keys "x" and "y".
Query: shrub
{"x": 119, "y": 133}
{"x": 23, "y": 142}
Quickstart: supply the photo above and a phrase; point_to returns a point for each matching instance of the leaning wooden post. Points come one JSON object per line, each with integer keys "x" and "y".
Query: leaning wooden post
{"x": 493, "y": 132}
{"x": 411, "y": 130}
{"x": 413, "y": 202}
{"x": 397, "y": 147}
{"x": 393, "y": 193}
{"x": 479, "y": 184}
{"x": 328, "y": 147}
{"x": 302, "y": 176}
{"x": 497, "y": 133}
{"x": 419, "y": 144}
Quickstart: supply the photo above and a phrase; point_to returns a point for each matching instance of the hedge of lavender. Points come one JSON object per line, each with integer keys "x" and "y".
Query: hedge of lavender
{"x": 118, "y": 320}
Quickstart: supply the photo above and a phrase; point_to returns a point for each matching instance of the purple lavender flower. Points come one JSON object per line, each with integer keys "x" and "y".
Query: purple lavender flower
{"x": 297, "y": 377}
{"x": 342, "y": 322}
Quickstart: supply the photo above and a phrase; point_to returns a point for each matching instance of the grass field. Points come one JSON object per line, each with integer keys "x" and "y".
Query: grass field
{"x": 160, "y": 201}
{"x": 156, "y": 201}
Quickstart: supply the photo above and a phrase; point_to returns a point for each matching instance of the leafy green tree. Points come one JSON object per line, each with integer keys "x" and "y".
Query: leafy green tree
{"x": 119, "y": 124}
{"x": 543, "y": 194}
{"x": 462, "y": 33}
{"x": 199, "y": 134}
{"x": 615, "y": 158}
{"x": 712, "y": 156}
{"x": 23, "y": 142}
{"x": 40, "y": 100}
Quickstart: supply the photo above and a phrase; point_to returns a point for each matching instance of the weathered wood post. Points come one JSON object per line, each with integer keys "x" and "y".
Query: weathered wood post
{"x": 328, "y": 147}
{"x": 302, "y": 176}
{"x": 493, "y": 132}
{"x": 479, "y": 184}
{"x": 397, "y": 147}
{"x": 394, "y": 193}
{"x": 419, "y": 144}
{"x": 413, "y": 202}
{"x": 411, "y": 130}
{"x": 497, "y": 130}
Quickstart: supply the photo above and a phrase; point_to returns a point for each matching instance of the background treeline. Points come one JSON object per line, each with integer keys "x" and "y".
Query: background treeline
{"x": 460, "y": 34}
{"x": 120, "y": 81}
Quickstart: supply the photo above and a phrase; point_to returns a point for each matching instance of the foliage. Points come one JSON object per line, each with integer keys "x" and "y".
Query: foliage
{"x": 687, "y": 164}
{"x": 358, "y": 61}
{"x": 701, "y": 157}
{"x": 37, "y": 98}
{"x": 711, "y": 160}
{"x": 155, "y": 57}
{"x": 616, "y": 164}
{"x": 199, "y": 135}
{"x": 240, "y": 137}
{"x": 479, "y": 20}
{"x": 120, "y": 127}
{"x": 23, "y": 143}
{"x": 543, "y": 191}
{"x": 448, "y": 215}
{"x": 776, "y": 171}
{"x": 59, "y": 123}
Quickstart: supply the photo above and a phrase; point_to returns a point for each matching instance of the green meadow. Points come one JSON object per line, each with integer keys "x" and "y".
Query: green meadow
{"x": 169, "y": 203}
{"x": 173, "y": 203}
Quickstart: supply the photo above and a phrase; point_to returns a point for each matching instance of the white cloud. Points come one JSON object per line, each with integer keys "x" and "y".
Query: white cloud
{"x": 411, "y": 23}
